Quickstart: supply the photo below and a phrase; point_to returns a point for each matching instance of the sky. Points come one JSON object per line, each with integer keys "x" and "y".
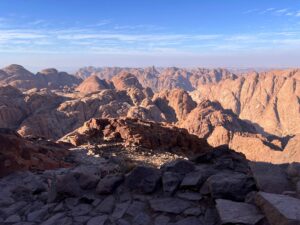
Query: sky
{"x": 68, "y": 34}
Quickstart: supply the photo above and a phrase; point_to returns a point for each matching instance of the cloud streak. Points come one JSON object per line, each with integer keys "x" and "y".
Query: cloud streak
{"x": 38, "y": 36}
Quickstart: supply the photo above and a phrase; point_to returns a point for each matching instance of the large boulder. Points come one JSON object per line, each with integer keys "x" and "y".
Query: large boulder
{"x": 229, "y": 185}
{"x": 237, "y": 212}
{"x": 143, "y": 179}
{"x": 279, "y": 209}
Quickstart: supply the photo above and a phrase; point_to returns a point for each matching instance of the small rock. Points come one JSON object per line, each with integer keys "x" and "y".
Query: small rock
{"x": 141, "y": 219}
{"x": 98, "y": 220}
{"x": 237, "y": 212}
{"x": 192, "y": 196}
{"x": 161, "y": 220}
{"x": 109, "y": 183}
{"x": 71, "y": 202}
{"x": 170, "y": 182}
{"x": 65, "y": 221}
{"x": 290, "y": 193}
{"x": 88, "y": 181}
{"x": 180, "y": 166}
{"x": 38, "y": 215}
{"x": 59, "y": 207}
{"x": 193, "y": 180}
{"x": 143, "y": 179}
{"x": 293, "y": 170}
{"x": 125, "y": 196}
{"x": 195, "y": 211}
{"x": 81, "y": 219}
{"x": 5, "y": 200}
{"x": 16, "y": 207}
{"x": 122, "y": 222}
{"x": 189, "y": 221}
{"x": 136, "y": 206}
{"x": 81, "y": 210}
{"x": 53, "y": 220}
{"x": 13, "y": 219}
{"x": 107, "y": 205}
{"x": 170, "y": 205}
{"x": 63, "y": 185}
{"x": 120, "y": 210}
{"x": 211, "y": 216}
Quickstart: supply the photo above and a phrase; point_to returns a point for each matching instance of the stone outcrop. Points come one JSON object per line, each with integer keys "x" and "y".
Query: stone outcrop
{"x": 210, "y": 120}
{"x": 17, "y": 153}
{"x": 135, "y": 132}
{"x": 176, "y": 104}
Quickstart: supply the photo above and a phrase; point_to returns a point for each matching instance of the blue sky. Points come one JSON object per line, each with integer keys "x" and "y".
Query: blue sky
{"x": 71, "y": 33}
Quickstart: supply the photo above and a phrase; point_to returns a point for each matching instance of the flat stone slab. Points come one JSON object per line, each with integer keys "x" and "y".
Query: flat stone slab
{"x": 279, "y": 209}
{"x": 170, "y": 205}
{"x": 270, "y": 178}
{"x": 237, "y": 212}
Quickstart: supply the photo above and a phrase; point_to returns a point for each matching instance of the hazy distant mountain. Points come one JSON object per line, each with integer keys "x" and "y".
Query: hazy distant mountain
{"x": 162, "y": 78}
{"x": 17, "y": 76}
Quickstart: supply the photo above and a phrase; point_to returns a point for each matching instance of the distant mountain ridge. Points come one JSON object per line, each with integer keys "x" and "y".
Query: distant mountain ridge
{"x": 162, "y": 78}
{"x": 18, "y": 77}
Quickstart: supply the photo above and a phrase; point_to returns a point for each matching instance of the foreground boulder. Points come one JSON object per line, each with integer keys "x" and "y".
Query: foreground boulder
{"x": 143, "y": 179}
{"x": 279, "y": 209}
{"x": 237, "y": 213}
{"x": 229, "y": 185}
{"x": 99, "y": 191}
{"x": 270, "y": 178}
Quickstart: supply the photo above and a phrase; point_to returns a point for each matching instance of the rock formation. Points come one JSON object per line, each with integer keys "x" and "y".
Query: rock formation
{"x": 19, "y": 154}
{"x": 262, "y": 98}
{"x": 93, "y": 84}
{"x": 135, "y": 132}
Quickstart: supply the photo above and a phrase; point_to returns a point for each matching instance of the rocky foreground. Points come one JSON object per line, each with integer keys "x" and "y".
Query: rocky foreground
{"x": 218, "y": 187}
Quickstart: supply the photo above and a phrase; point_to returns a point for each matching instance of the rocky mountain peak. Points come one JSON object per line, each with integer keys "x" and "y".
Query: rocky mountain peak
{"x": 125, "y": 80}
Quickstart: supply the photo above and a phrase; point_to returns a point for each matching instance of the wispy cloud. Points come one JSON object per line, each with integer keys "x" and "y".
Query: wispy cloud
{"x": 275, "y": 12}
{"x": 281, "y": 11}
{"x": 106, "y": 37}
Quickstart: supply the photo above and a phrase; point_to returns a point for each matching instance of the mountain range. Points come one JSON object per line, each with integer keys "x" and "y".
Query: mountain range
{"x": 240, "y": 110}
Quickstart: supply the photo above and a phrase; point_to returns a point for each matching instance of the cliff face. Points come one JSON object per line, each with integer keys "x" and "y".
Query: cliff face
{"x": 269, "y": 100}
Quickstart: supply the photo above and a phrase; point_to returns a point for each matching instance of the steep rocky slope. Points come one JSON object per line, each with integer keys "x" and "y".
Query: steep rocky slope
{"x": 269, "y": 100}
